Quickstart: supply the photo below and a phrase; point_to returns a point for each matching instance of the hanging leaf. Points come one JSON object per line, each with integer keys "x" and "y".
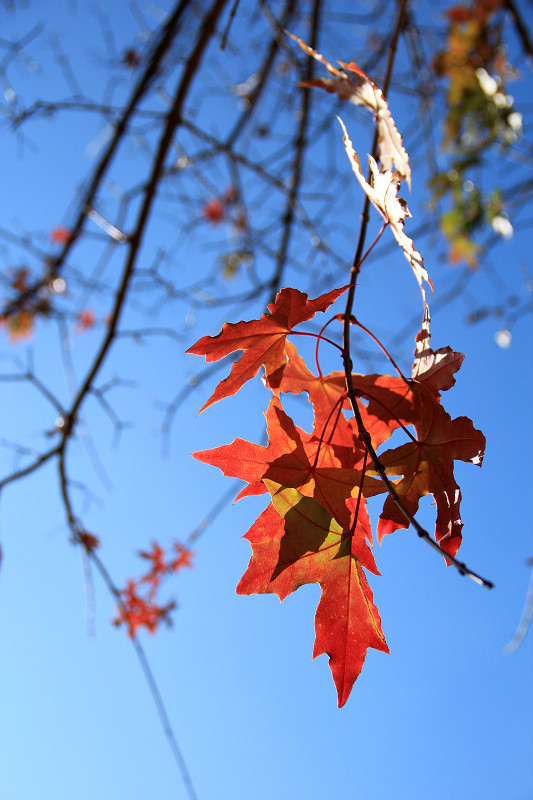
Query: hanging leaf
{"x": 362, "y": 91}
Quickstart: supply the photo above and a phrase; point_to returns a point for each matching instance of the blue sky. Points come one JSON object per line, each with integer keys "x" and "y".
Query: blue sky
{"x": 447, "y": 714}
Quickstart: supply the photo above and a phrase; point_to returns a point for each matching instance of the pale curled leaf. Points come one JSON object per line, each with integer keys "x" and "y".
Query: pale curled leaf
{"x": 362, "y": 91}
{"x": 434, "y": 368}
{"x": 383, "y": 194}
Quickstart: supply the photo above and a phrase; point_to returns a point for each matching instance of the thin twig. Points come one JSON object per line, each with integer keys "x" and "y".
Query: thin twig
{"x": 160, "y": 50}
{"x": 521, "y": 27}
{"x": 134, "y": 245}
{"x": 348, "y": 364}
{"x": 78, "y": 537}
{"x": 298, "y": 161}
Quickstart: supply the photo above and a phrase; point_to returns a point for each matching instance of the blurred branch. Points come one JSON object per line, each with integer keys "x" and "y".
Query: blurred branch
{"x": 527, "y": 616}
{"x": 520, "y": 26}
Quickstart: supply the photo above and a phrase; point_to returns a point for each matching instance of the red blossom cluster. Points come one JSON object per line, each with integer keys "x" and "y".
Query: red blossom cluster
{"x": 85, "y": 320}
{"x": 139, "y": 606}
{"x": 213, "y": 211}
{"x": 217, "y": 209}
{"x": 60, "y": 235}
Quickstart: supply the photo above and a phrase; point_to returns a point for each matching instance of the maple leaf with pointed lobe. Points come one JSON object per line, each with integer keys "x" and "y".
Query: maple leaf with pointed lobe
{"x": 247, "y": 460}
{"x": 426, "y": 465}
{"x": 295, "y": 459}
{"x": 136, "y": 611}
{"x": 138, "y": 606}
{"x": 262, "y": 340}
{"x": 324, "y": 392}
{"x": 316, "y": 528}
{"x": 389, "y": 401}
{"x": 183, "y": 558}
{"x": 296, "y": 541}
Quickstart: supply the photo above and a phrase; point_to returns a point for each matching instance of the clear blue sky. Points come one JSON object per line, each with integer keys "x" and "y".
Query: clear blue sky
{"x": 446, "y": 715}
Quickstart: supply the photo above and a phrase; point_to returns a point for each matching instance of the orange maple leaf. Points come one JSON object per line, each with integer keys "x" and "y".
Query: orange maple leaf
{"x": 296, "y": 541}
{"x": 295, "y": 459}
{"x": 136, "y": 611}
{"x": 262, "y": 340}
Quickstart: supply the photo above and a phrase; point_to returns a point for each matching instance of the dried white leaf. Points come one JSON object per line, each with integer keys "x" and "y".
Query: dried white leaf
{"x": 361, "y": 90}
{"x": 383, "y": 194}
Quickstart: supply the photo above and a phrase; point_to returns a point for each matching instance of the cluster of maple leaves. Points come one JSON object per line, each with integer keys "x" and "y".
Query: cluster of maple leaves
{"x": 224, "y": 208}
{"x": 316, "y": 527}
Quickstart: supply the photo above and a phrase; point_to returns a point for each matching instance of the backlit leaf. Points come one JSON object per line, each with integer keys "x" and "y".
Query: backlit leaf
{"x": 262, "y": 340}
{"x": 296, "y": 541}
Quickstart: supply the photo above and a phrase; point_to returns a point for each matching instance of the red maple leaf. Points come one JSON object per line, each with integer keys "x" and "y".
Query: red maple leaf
{"x": 60, "y": 235}
{"x": 387, "y": 401}
{"x": 425, "y": 464}
{"x": 158, "y": 567}
{"x": 249, "y": 461}
{"x": 316, "y": 529}
{"x": 295, "y": 459}
{"x": 183, "y": 557}
{"x": 138, "y": 606}
{"x": 296, "y": 541}
{"x": 262, "y": 340}
{"x": 85, "y": 320}
{"x": 213, "y": 211}
{"x": 426, "y": 467}
{"x": 136, "y": 611}
{"x": 325, "y": 393}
